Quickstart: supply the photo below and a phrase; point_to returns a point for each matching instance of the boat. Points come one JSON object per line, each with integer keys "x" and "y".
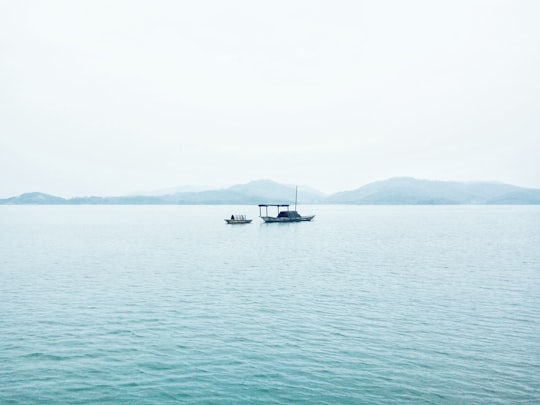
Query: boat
{"x": 285, "y": 214}
{"x": 238, "y": 219}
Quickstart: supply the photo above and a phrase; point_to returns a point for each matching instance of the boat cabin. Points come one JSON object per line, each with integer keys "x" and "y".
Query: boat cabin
{"x": 289, "y": 214}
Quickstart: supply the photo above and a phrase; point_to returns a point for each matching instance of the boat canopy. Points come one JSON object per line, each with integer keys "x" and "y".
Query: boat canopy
{"x": 238, "y": 217}
{"x": 278, "y": 206}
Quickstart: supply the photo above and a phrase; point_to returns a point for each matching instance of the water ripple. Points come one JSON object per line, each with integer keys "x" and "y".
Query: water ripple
{"x": 364, "y": 305}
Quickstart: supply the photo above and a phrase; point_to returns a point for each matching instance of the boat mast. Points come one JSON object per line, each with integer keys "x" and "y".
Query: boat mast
{"x": 296, "y": 198}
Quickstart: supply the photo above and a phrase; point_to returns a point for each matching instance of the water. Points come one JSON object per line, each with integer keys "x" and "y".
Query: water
{"x": 158, "y": 304}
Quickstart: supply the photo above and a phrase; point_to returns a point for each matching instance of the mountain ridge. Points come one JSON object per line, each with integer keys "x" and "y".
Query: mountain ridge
{"x": 393, "y": 191}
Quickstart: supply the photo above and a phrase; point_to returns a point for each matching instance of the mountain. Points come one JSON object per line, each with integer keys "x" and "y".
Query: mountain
{"x": 523, "y": 196}
{"x": 34, "y": 198}
{"x": 270, "y": 192}
{"x": 407, "y": 190}
{"x": 255, "y": 192}
{"x": 399, "y": 190}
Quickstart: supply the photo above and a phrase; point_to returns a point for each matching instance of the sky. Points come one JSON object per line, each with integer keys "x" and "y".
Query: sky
{"x": 107, "y": 97}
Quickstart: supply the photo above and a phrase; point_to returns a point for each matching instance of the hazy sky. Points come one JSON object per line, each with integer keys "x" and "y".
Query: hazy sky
{"x": 107, "y": 97}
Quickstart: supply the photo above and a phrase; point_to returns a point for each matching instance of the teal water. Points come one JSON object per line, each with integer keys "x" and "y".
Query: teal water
{"x": 163, "y": 304}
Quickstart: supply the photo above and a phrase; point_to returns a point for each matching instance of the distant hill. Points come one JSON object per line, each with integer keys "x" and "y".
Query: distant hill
{"x": 399, "y": 190}
{"x": 268, "y": 191}
{"x": 407, "y": 190}
{"x": 255, "y": 192}
{"x": 34, "y": 198}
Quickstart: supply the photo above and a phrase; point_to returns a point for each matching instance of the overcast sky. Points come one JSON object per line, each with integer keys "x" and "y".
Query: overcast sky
{"x": 107, "y": 97}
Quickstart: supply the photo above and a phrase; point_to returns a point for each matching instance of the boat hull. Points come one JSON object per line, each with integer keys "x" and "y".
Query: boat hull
{"x": 238, "y": 221}
{"x": 286, "y": 219}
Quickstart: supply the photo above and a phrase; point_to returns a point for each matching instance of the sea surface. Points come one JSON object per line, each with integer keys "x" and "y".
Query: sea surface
{"x": 364, "y": 305}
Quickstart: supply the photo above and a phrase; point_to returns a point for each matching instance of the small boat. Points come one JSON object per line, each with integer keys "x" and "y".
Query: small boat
{"x": 238, "y": 219}
{"x": 285, "y": 215}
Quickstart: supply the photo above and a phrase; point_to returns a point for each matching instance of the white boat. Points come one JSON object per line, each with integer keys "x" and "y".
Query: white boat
{"x": 238, "y": 219}
{"x": 284, "y": 213}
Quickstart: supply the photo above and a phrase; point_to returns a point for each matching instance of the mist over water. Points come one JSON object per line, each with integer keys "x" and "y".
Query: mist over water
{"x": 366, "y": 304}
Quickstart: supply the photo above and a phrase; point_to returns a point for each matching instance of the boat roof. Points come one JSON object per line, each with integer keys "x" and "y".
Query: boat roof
{"x": 289, "y": 214}
{"x": 274, "y": 205}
